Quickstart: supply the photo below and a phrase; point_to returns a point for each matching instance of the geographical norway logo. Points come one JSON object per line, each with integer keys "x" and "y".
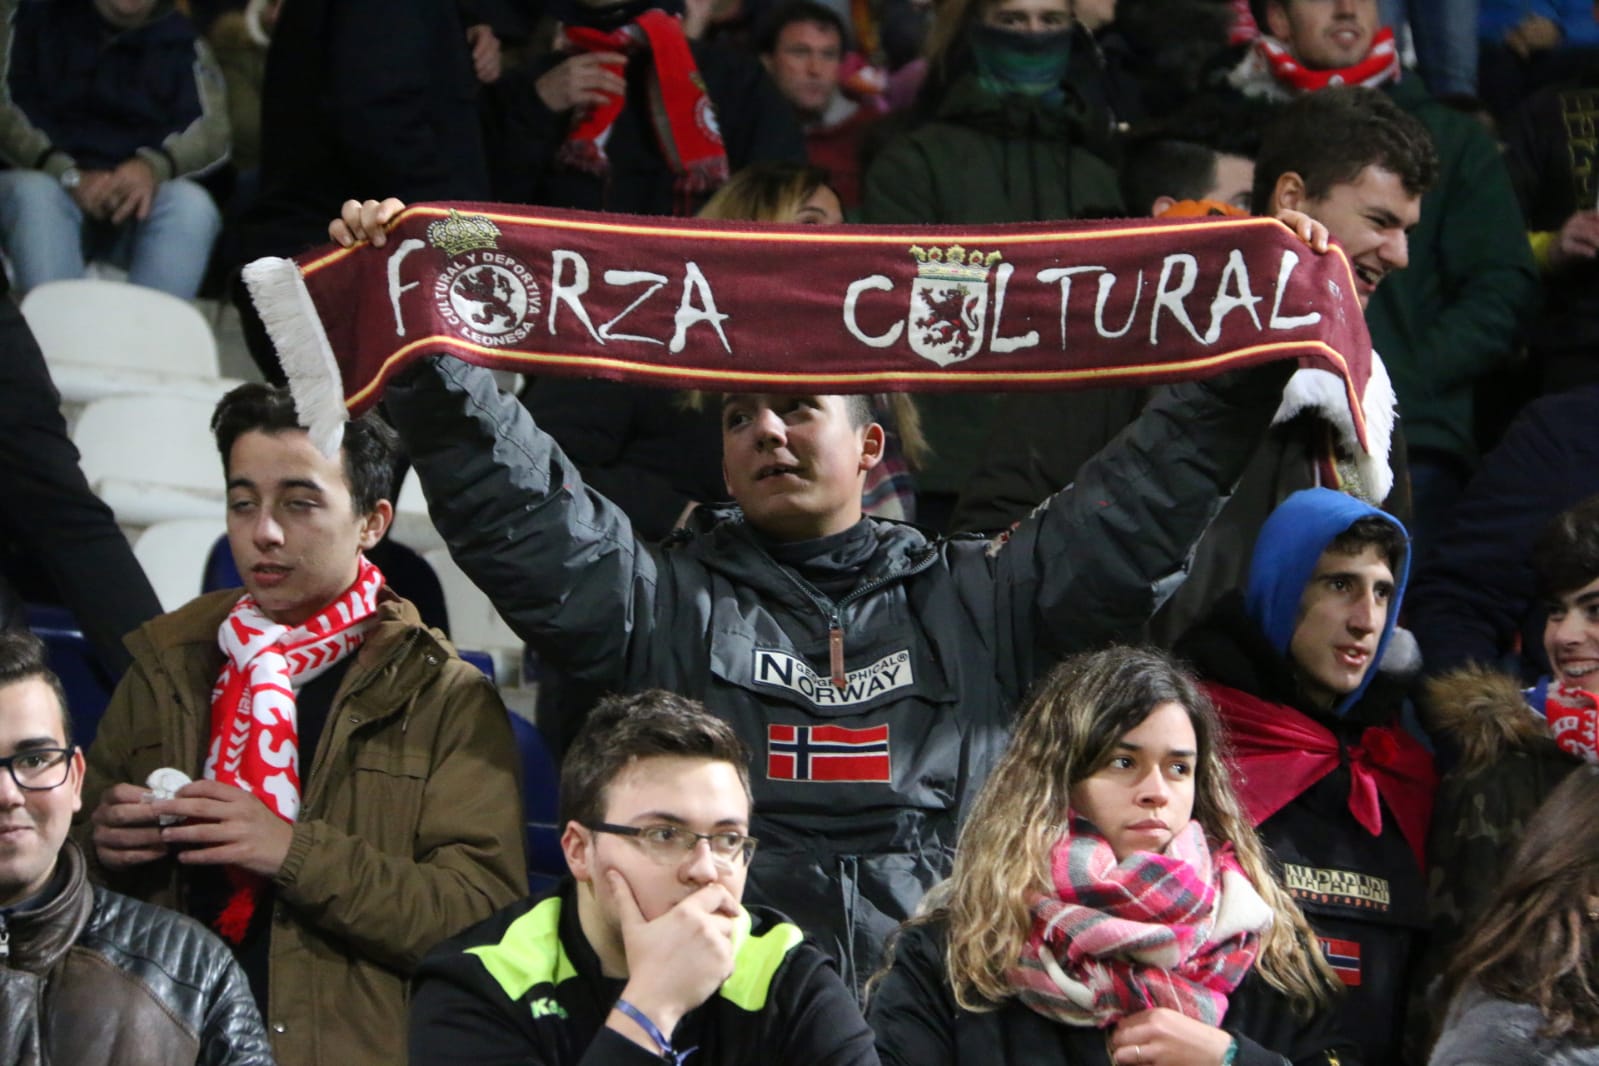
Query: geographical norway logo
{"x": 488, "y": 296}
{"x": 781, "y": 670}
{"x": 949, "y": 302}
{"x": 827, "y": 753}
{"x": 1344, "y": 958}
{"x": 1336, "y": 886}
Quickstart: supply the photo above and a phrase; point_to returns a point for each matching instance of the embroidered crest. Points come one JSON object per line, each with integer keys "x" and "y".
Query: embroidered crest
{"x": 949, "y": 302}
{"x": 490, "y": 297}
{"x": 1344, "y": 958}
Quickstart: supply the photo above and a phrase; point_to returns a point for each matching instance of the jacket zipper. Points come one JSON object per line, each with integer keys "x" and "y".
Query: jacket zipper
{"x": 834, "y": 612}
{"x": 5, "y": 939}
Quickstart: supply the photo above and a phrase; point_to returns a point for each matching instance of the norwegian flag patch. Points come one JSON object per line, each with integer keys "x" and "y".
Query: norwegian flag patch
{"x": 1344, "y": 957}
{"x": 827, "y": 753}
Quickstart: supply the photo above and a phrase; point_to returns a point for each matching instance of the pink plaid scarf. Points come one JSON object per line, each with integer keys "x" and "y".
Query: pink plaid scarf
{"x": 255, "y": 737}
{"x": 1177, "y": 930}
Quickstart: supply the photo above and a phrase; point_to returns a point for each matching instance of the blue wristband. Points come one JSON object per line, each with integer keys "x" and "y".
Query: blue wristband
{"x": 669, "y": 1053}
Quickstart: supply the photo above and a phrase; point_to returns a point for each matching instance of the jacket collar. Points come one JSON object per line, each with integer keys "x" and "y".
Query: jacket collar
{"x": 41, "y": 935}
{"x": 183, "y": 645}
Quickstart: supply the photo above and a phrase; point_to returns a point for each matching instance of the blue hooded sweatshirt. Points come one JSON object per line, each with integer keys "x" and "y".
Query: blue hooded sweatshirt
{"x": 1286, "y": 552}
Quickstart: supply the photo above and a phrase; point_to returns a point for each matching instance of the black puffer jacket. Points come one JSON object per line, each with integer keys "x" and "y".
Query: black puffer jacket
{"x": 858, "y": 791}
{"x": 91, "y": 976}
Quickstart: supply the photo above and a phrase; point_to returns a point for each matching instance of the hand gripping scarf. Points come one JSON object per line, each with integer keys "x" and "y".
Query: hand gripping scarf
{"x": 254, "y": 730}
{"x": 681, "y": 114}
{"x": 1177, "y": 930}
{"x": 1379, "y": 67}
{"x": 763, "y": 307}
{"x": 1279, "y": 752}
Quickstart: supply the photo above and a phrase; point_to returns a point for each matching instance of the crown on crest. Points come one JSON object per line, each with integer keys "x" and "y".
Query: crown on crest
{"x": 953, "y": 263}
{"x": 463, "y": 233}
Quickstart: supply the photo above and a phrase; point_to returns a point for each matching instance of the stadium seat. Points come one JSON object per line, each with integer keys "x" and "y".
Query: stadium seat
{"x": 106, "y": 338}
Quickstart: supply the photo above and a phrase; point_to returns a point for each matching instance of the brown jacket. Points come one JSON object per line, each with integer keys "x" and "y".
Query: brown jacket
{"x": 410, "y": 830}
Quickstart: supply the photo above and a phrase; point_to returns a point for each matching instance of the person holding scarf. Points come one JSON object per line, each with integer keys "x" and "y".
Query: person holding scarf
{"x": 1452, "y": 316}
{"x": 1338, "y": 789}
{"x": 354, "y": 797}
{"x": 1109, "y": 902}
{"x": 628, "y": 115}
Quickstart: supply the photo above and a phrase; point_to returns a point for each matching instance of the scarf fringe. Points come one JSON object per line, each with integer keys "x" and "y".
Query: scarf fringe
{"x": 281, "y": 299}
{"x": 1324, "y": 393}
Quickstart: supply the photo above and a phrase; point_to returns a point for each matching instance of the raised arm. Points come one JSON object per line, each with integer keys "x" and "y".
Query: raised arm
{"x": 560, "y": 562}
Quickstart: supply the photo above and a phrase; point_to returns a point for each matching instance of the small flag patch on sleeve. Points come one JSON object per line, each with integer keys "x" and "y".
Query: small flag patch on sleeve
{"x": 827, "y": 753}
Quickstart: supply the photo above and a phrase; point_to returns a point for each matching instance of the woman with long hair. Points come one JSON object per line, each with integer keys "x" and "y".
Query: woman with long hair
{"x": 1524, "y": 984}
{"x": 1109, "y": 901}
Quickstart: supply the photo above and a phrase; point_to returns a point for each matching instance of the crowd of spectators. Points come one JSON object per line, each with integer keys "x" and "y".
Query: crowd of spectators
{"x": 1205, "y": 729}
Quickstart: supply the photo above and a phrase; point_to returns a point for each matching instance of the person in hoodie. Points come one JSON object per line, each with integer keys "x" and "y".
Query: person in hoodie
{"x": 1339, "y": 791}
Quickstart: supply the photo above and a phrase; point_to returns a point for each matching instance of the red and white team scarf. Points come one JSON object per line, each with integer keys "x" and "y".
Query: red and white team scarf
{"x": 1573, "y": 715}
{"x": 254, "y": 729}
{"x": 681, "y": 114}
{"x": 1379, "y": 67}
{"x": 1178, "y": 929}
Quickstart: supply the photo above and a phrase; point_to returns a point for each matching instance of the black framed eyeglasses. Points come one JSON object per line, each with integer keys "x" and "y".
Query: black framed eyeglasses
{"x": 671, "y": 844}
{"x": 39, "y": 769}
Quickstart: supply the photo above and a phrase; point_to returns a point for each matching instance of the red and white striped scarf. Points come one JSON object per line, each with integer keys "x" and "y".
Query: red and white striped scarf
{"x": 1573, "y": 715}
{"x": 1379, "y": 67}
{"x": 254, "y": 728}
{"x": 1177, "y": 930}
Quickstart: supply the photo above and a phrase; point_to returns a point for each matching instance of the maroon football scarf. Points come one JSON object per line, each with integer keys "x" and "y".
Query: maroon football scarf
{"x": 1279, "y": 752}
{"x": 681, "y": 114}
{"x": 1176, "y": 930}
{"x": 738, "y": 306}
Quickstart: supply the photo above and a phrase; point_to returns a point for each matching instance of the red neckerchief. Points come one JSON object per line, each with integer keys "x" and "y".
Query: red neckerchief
{"x": 1278, "y": 753}
{"x": 681, "y": 114}
{"x": 1380, "y": 66}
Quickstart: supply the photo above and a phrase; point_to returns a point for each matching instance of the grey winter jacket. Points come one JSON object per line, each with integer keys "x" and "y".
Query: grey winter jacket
{"x": 91, "y": 976}
{"x": 859, "y": 792}
{"x": 1482, "y": 1030}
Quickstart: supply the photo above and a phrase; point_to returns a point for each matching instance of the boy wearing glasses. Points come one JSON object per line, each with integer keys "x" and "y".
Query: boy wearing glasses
{"x": 87, "y": 975}
{"x": 644, "y": 953}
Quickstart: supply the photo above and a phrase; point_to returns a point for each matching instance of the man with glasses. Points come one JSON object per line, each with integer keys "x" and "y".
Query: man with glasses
{"x": 87, "y": 975}
{"x": 644, "y": 953}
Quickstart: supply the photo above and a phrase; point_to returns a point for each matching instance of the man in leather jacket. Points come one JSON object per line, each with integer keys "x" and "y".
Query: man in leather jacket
{"x": 87, "y": 975}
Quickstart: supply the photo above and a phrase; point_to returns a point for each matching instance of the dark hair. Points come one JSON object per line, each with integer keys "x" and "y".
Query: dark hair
{"x": 23, "y": 658}
{"x": 1176, "y": 155}
{"x": 1329, "y": 136}
{"x": 1154, "y": 168}
{"x": 789, "y": 12}
{"x": 369, "y": 450}
{"x": 1534, "y": 942}
{"x": 1373, "y": 531}
{"x": 1566, "y": 554}
{"x": 621, "y": 730}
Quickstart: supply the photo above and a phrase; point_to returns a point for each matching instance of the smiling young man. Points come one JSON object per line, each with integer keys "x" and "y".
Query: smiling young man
{"x": 645, "y": 952}
{"x": 88, "y": 975}
{"x": 1338, "y": 790}
{"x": 1355, "y": 162}
{"x": 354, "y": 796}
{"x": 1453, "y": 315}
{"x": 1510, "y": 745}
